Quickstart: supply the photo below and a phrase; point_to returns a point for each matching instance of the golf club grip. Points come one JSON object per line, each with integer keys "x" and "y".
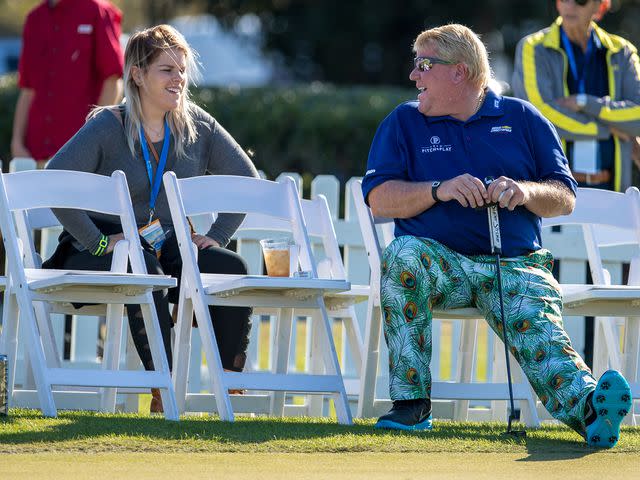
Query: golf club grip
{"x": 494, "y": 230}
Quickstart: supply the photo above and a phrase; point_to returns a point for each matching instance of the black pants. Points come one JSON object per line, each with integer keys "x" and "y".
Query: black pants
{"x": 231, "y": 324}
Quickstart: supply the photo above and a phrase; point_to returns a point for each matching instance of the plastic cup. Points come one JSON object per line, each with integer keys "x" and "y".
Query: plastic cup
{"x": 280, "y": 256}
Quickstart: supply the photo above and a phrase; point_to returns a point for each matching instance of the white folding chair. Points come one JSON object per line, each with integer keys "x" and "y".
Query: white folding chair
{"x": 608, "y": 219}
{"x": 219, "y": 193}
{"x": 33, "y": 290}
{"x": 44, "y": 220}
{"x": 463, "y": 389}
{"x": 330, "y": 266}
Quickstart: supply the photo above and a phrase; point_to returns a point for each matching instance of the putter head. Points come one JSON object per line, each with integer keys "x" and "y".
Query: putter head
{"x": 514, "y": 433}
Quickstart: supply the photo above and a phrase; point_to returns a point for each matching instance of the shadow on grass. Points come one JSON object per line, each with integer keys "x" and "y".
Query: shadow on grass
{"x": 28, "y": 427}
{"x": 546, "y": 449}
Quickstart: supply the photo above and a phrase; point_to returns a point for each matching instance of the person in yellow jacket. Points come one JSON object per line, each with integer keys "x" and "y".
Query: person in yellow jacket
{"x": 587, "y": 83}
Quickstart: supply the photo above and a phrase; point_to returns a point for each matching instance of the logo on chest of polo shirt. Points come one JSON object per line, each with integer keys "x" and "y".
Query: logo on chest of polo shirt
{"x": 436, "y": 146}
{"x": 501, "y": 128}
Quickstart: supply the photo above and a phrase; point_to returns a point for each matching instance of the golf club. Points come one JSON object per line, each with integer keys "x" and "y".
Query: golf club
{"x": 496, "y": 249}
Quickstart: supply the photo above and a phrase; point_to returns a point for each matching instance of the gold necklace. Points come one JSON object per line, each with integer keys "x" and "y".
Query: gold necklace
{"x": 156, "y": 133}
{"x": 479, "y": 104}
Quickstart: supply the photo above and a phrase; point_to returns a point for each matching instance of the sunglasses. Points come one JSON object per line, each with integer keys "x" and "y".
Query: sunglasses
{"x": 424, "y": 64}
{"x": 581, "y": 3}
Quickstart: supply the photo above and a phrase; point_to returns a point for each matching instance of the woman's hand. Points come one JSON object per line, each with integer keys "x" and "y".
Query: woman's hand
{"x": 113, "y": 239}
{"x": 202, "y": 241}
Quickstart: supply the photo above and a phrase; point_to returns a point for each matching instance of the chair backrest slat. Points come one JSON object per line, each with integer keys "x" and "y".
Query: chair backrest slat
{"x": 61, "y": 189}
{"x": 231, "y": 194}
{"x": 234, "y": 194}
{"x": 30, "y": 195}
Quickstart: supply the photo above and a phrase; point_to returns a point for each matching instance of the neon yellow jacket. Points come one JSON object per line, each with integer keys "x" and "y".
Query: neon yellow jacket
{"x": 540, "y": 76}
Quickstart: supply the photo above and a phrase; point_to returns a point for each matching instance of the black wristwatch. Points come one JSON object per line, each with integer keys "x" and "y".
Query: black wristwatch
{"x": 434, "y": 190}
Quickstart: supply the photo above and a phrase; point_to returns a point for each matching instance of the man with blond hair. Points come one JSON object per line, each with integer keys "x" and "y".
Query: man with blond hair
{"x": 426, "y": 169}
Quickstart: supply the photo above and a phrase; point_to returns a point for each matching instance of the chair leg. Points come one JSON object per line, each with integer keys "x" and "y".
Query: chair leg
{"x": 315, "y": 363}
{"x": 43, "y": 316}
{"x": 132, "y": 362}
{"x": 498, "y": 407}
{"x": 281, "y": 356}
{"x": 528, "y": 405}
{"x": 9, "y": 339}
{"x": 152, "y": 327}
{"x": 332, "y": 366}
{"x": 36, "y": 354}
{"x": 369, "y": 369}
{"x": 112, "y": 348}
{"x": 606, "y": 346}
{"x": 354, "y": 338}
{"x": 182, "y": 349}
{"x": 214, "y": 364}
{"x": 466, "y": 364}
{"x": 631, "y": 354}
{"x": 600, "y": 350}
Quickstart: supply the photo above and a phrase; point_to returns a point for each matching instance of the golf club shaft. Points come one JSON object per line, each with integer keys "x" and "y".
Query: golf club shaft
{"x": 496, "y": 249}
{"x": 506, "y": 343}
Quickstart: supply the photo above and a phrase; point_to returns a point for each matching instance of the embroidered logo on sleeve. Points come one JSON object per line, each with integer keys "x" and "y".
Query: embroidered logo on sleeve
{"x": 369, "y": 172}
{"x": 85, "y": 28}
{"x": 502, "y": 128}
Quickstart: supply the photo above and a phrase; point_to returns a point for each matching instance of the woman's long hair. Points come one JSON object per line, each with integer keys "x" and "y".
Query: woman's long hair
{"x": 143, "y": 48}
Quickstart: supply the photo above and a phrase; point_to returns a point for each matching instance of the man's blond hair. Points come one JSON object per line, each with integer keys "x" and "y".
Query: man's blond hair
{"x": 458, "y": 44}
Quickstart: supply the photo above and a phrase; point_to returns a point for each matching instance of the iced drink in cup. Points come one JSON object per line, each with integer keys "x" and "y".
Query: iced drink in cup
{"x": 278, "y": 256}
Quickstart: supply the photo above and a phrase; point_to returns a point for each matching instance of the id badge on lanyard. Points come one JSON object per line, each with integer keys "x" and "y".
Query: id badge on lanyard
{"x": 153, "y": 233}
{"x": 585, "y": 152}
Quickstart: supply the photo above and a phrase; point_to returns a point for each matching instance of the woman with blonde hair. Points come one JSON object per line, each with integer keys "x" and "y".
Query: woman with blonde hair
{"x": 157, "y": 129}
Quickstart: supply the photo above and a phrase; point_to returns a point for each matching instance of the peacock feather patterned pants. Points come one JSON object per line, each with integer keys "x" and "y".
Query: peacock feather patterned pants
{"x": 419, "y": 274}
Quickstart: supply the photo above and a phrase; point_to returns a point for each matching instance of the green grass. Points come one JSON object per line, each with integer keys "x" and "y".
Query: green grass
{"x": 27, "y": 432}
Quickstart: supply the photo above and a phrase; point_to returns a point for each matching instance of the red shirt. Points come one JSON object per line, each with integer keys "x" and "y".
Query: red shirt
{"x": 67, "y": 53}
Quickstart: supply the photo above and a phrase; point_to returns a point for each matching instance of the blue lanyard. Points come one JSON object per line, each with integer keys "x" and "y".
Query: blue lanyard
{"x": 157, "y": 181}
{"x": 572, "y": 59}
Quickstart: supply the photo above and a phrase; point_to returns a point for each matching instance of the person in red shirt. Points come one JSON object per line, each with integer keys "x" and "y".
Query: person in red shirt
{"x": 71, "y": 60}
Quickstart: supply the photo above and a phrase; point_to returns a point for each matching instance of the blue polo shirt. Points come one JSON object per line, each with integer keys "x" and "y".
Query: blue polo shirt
{"x": 507, "y": 136}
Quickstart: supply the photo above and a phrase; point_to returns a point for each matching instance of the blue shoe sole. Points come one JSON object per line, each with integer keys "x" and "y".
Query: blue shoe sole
{"x": 611, "y": 401}
{"x": 389, "y": 425}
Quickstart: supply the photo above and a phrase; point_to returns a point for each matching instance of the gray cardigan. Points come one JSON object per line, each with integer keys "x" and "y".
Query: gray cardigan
{"x": 540, "y": 76}
{"x": 100, "y": 146}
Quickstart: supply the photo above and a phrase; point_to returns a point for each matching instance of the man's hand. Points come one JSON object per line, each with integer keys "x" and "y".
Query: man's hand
{"x": 468, "y": 190}
{"x": 202, "y": 241}
{"x": 19, "y": 150}
{"x": 625, "y": 137}
{"x": 507, "y": 193}
{"x": 635, "y": 151}
{"x": 569, "y": 102}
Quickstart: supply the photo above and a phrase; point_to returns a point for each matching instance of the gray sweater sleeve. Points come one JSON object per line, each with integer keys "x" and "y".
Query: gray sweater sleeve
{"x": 83, "y": 152}
{"x": 226, "y": 157}
{"x": 622, "y": 113}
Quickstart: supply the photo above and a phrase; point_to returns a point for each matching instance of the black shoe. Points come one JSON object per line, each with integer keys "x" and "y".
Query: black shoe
{"x": 407, "y": 415}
